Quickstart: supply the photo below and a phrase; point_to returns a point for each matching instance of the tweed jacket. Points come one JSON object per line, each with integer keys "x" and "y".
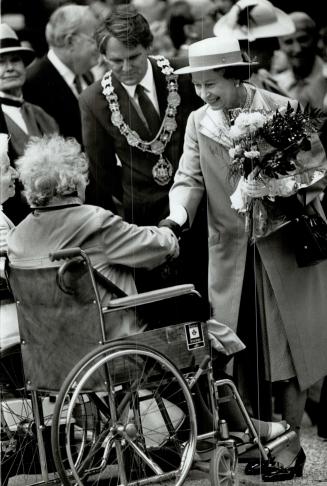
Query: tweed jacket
{"x": 113, "y": 246}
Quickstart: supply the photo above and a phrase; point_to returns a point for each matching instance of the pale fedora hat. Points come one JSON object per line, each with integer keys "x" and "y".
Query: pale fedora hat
{"x": 213, "y": 53}
{"x": 254, "y": 19}
{"x": 9, "y": 43}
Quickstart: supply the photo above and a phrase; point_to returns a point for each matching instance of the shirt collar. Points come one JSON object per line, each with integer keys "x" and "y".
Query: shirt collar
{"x": 147, "y": 82}
{"x": 10, "y": 97}
{"x": 63, "y": 70}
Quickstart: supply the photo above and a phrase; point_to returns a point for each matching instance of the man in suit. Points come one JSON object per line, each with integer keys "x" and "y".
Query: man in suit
{"x": 133, "y": 125}
{"x": 55, "y": 81}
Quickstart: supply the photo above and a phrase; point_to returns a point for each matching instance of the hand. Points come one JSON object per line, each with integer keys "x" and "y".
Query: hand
{"x": 172, "y": 225}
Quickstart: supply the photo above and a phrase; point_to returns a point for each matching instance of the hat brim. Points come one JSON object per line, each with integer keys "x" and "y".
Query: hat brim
{"x": 27, "y": 54}
{"x": 190, "y": 69}
{"x": 282, "y": 26}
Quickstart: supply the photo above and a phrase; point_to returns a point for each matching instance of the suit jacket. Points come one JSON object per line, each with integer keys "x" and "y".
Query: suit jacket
{"x": 38, "y": 123}
{"x": 45, "y": 87}
{"x": 300, "y": 293}
{"x": 144, "y": 201}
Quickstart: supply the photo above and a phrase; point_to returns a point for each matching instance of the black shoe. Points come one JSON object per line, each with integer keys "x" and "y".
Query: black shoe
{"x": 280, "y": 473}
{"x": 256, "y": 468}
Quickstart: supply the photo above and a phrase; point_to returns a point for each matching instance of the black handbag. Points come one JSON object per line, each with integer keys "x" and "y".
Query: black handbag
{"x": 309, "y": 234}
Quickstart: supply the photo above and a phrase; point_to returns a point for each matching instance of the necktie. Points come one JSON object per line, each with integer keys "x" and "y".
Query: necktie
{"x": 78, "y": 84}
{"x": 150, "y": 113}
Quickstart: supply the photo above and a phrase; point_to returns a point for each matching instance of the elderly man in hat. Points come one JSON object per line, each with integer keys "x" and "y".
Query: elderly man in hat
{"x": 56, "y": 81}
{"x": 255, "y": 287}
{"x": 257, "y": 24}
{"x": 19, "y": 119}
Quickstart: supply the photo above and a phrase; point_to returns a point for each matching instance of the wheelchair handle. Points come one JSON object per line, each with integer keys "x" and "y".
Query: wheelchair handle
{"x": 65, "y": 254}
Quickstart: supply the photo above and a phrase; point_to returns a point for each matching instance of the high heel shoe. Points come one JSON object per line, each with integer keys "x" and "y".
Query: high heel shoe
{"x": 281, "y": 473}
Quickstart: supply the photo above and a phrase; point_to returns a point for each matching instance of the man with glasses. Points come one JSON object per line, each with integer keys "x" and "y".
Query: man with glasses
{"x": 56, "y": 81}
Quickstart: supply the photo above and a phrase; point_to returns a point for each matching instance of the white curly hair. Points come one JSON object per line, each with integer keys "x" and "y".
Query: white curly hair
{"x": 51, "y": 166}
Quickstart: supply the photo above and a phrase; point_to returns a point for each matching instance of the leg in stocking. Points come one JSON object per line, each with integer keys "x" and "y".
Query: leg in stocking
{"x": 292, "y": 409}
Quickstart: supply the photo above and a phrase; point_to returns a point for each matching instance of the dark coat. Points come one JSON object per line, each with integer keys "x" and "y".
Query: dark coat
{"x": 45, "y": 87}
{"x": 38, "y": 123}
{"x": 144, "y": 201}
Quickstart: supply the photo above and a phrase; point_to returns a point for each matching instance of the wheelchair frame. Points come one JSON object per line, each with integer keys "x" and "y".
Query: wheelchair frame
{"x": 111, "y": 427}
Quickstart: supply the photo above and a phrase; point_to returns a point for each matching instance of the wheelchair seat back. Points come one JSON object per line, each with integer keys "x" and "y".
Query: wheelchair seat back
{"x": 57, "y": 329}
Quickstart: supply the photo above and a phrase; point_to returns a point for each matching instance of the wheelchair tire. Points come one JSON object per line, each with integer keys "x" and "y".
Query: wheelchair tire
{"x": 141, "y": 425}
{"x": 18, "y": 440}
{"x": 223, "y": 467}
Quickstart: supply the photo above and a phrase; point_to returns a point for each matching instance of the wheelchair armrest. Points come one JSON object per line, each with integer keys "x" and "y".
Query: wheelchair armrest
{"x": 152, "y": 296}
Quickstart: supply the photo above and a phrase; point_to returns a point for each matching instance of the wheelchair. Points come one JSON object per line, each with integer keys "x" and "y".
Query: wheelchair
{"x": 92, "y": 411}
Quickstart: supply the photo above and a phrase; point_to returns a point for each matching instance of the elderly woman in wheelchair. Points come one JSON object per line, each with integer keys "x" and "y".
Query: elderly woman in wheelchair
{"x": 128, "y": 408}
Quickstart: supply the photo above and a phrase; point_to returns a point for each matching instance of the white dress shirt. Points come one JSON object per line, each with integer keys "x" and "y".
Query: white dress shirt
{"x": 14, "y": 112}
{"x": 67, "y": 74}
{"x": 148, "y": 83}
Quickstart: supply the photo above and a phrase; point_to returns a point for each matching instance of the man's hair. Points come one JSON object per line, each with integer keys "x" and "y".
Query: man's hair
{"x": 65, "y": 20}
{"x": 126, "y": 25}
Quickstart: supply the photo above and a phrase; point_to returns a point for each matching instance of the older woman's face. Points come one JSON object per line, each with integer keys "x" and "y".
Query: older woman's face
{"x": 12, "y": 74}
{"x": 214, "y": 89}
{"x": 7, "y": 180}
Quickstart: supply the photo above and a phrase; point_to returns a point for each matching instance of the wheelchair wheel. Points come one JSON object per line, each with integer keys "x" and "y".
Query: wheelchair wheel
{"x": 18, "y": 439}
{"x": 223, "y": 467}
{"x": 139, "y": 423}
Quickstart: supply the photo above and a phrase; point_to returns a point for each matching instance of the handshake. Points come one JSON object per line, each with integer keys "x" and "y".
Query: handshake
{"x": 175, "y": 221}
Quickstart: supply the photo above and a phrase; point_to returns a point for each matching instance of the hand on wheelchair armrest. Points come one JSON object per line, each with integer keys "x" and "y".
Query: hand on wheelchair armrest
{"x": 153, "y": 296}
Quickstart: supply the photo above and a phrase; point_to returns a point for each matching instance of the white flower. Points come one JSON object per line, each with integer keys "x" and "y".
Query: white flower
{"x": 247, "y": 123}
{"x": 232, "y": 153}
{"x": 235, "y": 132}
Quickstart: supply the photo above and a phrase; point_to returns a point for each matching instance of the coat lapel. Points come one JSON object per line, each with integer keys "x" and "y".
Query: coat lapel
{"x": 214, "y": 125}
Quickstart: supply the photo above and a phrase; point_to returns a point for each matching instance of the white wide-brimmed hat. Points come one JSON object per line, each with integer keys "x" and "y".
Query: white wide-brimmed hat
{"x": 213, "y": 53}
{"x": 9, "y": 43}
{"x": 254, "y": 19}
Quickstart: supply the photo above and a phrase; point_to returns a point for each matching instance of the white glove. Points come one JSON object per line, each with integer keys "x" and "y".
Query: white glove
{"x": 255, "y": 188}
{"x": 178, "y": 214}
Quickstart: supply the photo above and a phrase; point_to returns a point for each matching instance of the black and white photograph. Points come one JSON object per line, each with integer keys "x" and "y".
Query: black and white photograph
{"x": 163, "y": 242}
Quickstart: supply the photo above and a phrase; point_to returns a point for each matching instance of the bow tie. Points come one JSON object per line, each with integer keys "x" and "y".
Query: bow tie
{"x": 11, "y": 101}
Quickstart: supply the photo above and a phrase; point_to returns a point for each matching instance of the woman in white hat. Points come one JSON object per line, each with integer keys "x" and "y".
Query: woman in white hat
{"x": 258, "y": 24}
{"x": 19, "y": 119}
{"x": 257, "y": 289}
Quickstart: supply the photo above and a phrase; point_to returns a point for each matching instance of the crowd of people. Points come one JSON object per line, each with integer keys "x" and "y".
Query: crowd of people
{"x": 119, "y": 141}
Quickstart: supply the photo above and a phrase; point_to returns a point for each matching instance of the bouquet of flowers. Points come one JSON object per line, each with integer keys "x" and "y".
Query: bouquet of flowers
{"x": 266, "y": 149}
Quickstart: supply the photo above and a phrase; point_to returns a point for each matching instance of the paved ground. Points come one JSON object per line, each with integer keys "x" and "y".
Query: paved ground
{"x": 315, "y": 471}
